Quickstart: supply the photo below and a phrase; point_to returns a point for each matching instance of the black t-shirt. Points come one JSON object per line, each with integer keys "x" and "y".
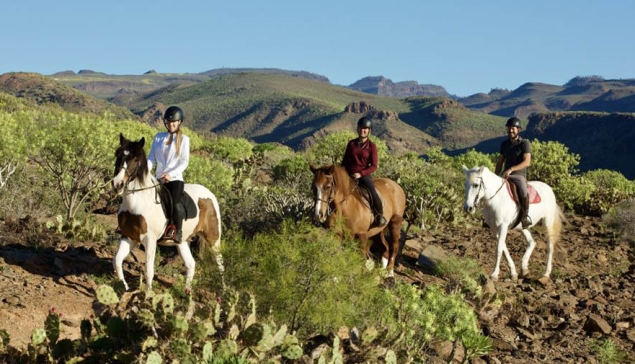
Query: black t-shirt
{"x": 514, "y": 153}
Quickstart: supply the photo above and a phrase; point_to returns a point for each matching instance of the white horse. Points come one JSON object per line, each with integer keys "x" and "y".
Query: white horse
{"x": 142, "y": 220}
{"x": 500, "y": 212}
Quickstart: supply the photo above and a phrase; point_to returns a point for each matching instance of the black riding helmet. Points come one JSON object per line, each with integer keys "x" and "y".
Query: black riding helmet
{"x": 365, "y": 122}
{"x": 513, "y": 121}
{"x": 173, "y": 113}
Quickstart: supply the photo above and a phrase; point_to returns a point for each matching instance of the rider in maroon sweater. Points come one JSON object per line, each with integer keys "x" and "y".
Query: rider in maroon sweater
{"x": 360, "y": 161}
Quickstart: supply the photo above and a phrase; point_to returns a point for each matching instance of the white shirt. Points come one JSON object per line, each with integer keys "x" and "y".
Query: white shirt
{"x": 165, "y": 157}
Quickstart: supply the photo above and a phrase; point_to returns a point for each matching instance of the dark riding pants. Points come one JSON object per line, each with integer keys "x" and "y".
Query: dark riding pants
{"x": 368, "y": 182}
{"x": 176, "y": 191}
{"x": 521, "y": 183}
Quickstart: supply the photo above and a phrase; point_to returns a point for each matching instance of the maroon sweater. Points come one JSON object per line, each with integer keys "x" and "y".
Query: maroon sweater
{"x": 360, "y": 159}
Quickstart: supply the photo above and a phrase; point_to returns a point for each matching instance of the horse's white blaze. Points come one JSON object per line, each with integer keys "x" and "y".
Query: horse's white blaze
{"x": 119, "y": 180}
{"x": 318, "y": 207}
{"x": 500, "y": 211}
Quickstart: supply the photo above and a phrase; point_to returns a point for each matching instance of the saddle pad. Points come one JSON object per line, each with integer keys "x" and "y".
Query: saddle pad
{"x": 534, "y": 197}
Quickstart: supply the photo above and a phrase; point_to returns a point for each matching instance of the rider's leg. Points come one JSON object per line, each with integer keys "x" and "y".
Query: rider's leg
{"x": 378, "y": 208}
{"x": 523, "y": 198}
{"x": 178, "y": 212}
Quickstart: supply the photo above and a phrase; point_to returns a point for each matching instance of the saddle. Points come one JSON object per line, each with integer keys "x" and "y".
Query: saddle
{"x": 533, "y": 195}
{"x": 186, "y": 201}
{"x": 367, "y": 197}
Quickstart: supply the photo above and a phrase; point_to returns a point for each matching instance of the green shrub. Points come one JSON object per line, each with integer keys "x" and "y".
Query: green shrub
{"x": 305, "y": 277}
{"x": 610, "y": 188}
{"x": 551, "y": 162}
{"x": 213, "y": 174}
{"x": 621, "y": 220}
{"x": 472, "y": 158}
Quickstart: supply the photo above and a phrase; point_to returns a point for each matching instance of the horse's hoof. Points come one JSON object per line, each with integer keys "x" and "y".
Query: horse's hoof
{"x": 494, "y": 278}
{"x": 524, "y": 273}
{"x": 514, "y": 277}
{"x": 188, "y": 291}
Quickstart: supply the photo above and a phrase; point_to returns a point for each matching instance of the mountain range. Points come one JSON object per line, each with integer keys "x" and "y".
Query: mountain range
{"x": 590, "y": 115}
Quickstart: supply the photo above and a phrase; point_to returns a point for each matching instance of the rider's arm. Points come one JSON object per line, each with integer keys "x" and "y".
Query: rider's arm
{"x": 499, "y": 164}
{"x": 152, "y": 158}
{"x": 372, "y": 167}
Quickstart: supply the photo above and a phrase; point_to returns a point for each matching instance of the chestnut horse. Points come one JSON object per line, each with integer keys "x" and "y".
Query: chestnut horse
{"x": 336, "y": 195}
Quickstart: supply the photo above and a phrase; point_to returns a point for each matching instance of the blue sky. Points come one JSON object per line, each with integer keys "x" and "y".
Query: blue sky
{"x": 464, "y": 46}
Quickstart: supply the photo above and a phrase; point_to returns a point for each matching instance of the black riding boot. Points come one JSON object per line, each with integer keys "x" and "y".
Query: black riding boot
{"x": 524, "y": 211}
{"x": 380, "y": 220}
{"x": 177, "y": 217}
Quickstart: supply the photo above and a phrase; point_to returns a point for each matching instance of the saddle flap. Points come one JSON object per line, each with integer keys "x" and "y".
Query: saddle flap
{"x": 534, "y": 196}
{"x": 186, "y": 200}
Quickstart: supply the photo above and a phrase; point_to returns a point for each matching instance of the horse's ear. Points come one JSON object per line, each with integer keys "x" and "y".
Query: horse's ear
{"x": 122, "y": 140}
{"x": 465, "y": 169}
{"x": 142, "y": 142}
{"x": 313, "y": 168}
{"x": 480, "y": 170}
{"x": 331, "y": 169}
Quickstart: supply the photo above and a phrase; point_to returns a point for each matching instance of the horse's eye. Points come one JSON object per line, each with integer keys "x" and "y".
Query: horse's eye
{"x": 475, "y": 185}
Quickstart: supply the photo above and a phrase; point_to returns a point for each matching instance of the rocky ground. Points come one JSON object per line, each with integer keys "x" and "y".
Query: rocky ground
{"x": 590, "y": 298}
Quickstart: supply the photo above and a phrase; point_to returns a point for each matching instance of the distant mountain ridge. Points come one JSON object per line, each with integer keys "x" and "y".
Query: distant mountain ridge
{"x": 382, "y": 86}
{"x": 298, "y": 107}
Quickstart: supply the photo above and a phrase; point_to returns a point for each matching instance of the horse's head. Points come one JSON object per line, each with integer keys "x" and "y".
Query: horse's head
{"x": 474, "y": 188}
{"x": 131, "y": 163}
{"x": 323, "y": 188}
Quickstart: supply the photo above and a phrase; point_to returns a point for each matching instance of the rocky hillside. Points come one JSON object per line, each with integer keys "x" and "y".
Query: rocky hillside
{"x": 44, "y": 90}
{"x": 382, "y": 86}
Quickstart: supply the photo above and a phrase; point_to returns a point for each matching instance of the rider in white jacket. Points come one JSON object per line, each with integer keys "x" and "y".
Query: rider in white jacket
{"x": 171, "y": 154}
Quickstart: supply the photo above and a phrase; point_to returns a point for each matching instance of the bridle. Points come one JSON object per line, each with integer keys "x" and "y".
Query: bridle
{"x": 482, "y": 186}
{"x": 330, "y": 199}
{"x": 131, "y": 178}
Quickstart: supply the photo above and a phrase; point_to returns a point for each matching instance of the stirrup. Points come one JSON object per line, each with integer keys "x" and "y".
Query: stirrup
{"x": 170, "y": 232}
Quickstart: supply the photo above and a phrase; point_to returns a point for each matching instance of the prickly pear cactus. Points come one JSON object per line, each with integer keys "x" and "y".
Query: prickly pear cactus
{"x": 179, "y": 325}
{"x": 86, "y": 329}
{"x": 4, "y": 339}
{"x": 149, "y": 343}
{"x": 115, "y": 327}
{"x": 163, "y": 303}
{"x": 154, "y": 358}
{"x": 52, "y": 326}
{"x": 106, "y": 295}
{"x": 292, "y": 352}
{"x": 253, "y": 334}
{"x": 369, "y": 335}
{"x": 208, "y": 352}
{"x": 391, "y": 358}
{"x": 63, "y": 349}
{"x": 227, "y": 348}
{"x": 146, "y": 318}
{"x": 202, "y": 330}
{"x": 180, "y": 347}
{"x": 38, "y": 336}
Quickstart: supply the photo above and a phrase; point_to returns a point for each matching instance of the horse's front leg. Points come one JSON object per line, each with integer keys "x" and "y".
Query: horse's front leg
{"x": 501, "y": 248}
{"x": 150, "y": 244}
{"x": 125, "y": 245}
{"x": 190, "y": 264}
{"x": 363, "y": 244}
{"x": 531, "y": 244}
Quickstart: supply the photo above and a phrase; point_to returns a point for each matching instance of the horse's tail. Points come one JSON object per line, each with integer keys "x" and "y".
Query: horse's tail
{"x": 555, "y": 229}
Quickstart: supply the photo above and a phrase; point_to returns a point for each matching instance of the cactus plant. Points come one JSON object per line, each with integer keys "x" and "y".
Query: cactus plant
{"x": 85, "y": 327}
{"x": 154, "y": 358}
{"x": 149, "y": 343}
{"x": 292, "y": 352}
{"x": 202, "y": 330}
{"x": 180, "y": 347}
{"x": 115, "y": 327}
{"x": 208, "y": 352}
{"x": 38, "y": 336}
{"x": 369, "y": 335}
{"x": 252, "y": 334}
{"x": 52, "y": 326}
{"x": 390, "y": 357}
{"x": 4, "y": 338}
{"x": 146, "y": 318}
{"x": 106, "y": 295}
{"x": 63, "y": 349}
{"x": 178, "y": 325}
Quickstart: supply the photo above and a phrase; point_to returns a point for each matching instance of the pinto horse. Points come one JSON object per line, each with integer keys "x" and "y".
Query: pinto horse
{"x": 500, "y": 212}
{"x": 143, "y": 221}
{"x": 337, "y": 195}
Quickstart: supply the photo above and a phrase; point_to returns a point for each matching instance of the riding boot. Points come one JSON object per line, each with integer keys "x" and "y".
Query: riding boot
{"x": 524, "y": 211}
{"x": 380, "y": 220}
{"x": 177, "y": 217}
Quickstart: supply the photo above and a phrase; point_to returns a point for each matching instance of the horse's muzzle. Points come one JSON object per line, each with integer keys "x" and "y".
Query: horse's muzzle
{"x": 469, "y": 209}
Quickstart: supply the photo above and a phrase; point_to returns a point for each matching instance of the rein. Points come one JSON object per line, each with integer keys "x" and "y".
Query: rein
{"x": 331, "y": 200}
{"x": 482, "y": 186}
{"x": 128, "y": 191}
